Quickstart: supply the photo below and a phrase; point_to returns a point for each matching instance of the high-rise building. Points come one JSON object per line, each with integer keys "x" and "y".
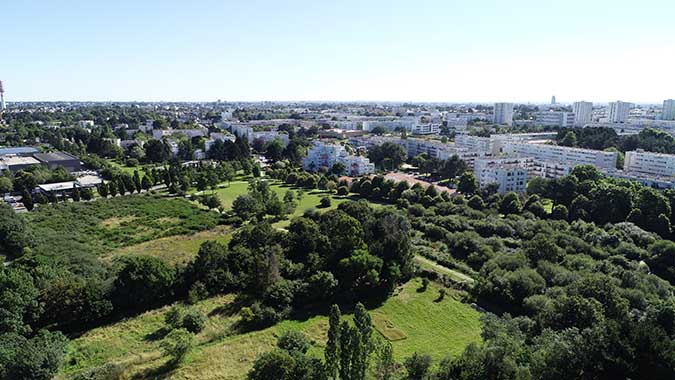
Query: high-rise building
{"x": 668, "y": 110}
{"x": 617, "y": 112}
{"x": 3, "y": 107}
{"x": 583, "y": 113}
{"x": 553, "y": 100}
{"x": 503, "y": 113}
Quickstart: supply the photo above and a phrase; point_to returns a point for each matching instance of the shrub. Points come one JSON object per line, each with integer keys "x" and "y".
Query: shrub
{"x": 177, "y": 344}
{"x": 174, "y": 317}
{"x": 325, "y": 202}
{"x": 342, "y": 190}
{"x": 293, "y": 341}
{"x": 194, "y": 321}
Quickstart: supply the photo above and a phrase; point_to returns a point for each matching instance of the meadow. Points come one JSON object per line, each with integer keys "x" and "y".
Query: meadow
{"x": 77, "y": 231}
{"x": 413, "y": 320}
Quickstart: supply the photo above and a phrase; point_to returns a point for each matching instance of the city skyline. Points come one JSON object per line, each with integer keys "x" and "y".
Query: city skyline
{"x": 302, "y": 51}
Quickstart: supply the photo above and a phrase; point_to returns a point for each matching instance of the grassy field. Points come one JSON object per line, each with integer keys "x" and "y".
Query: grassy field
{"x": 412, "y": 320}
{"x": 78, "y": 230}
{"x": 174, "y": 249}
{"x": 427, "y": 264}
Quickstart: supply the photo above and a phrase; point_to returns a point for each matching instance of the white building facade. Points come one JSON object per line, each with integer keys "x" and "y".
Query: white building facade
{"x": 564, "y": 155}
{"x": 503, "y": 113}
{"x": 326, "y": 155}
{"x": 509, "y": 173}
{"x": 657, "y": 164}
{"x": 555, "y": 118}
{"x": 668, "y": 110}
{"x": 617, "y": 112}
{"x": 583, "y": 113}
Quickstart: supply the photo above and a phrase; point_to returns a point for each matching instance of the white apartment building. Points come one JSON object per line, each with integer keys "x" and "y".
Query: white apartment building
{"x": 323, "y": 155}
{"x": 503, "y": 113}
{"x": 555, "y": 118}
{"x": 564, "y": 155}
{"x": 495, "y": 143}
{"x": 390, "y": 124}
{"x": 617, "y": 112}
{"x": 656, "y": 164}
{"x": 583, "y": 113}
{"x": 668, "y": 110}
{"x": 509, "y": 173}
{"x": 426, "y": 129}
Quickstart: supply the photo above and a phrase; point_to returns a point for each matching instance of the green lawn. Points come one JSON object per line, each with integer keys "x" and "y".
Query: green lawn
{"x": 308, "y": 199}
{"x": 433, "y": 266}
{"x": 414, "y": 320}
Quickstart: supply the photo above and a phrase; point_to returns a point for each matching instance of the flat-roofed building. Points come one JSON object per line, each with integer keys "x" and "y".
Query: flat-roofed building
{"x": 509, "y": 173}
{"x": 16, "y": 163}
{"x": 564, "y": 155}
{"x": 657, "y": 164}
{"x": 55, "y": 159}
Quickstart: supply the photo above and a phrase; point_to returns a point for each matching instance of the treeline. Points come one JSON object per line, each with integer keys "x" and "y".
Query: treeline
{"x": 602, "y": 138}
{"x": 587, "y": 195}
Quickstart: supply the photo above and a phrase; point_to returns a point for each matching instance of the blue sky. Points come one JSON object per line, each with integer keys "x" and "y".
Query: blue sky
{"x": 392, "y": 50}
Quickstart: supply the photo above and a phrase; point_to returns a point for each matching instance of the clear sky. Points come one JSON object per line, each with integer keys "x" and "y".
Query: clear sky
{"x": 447, "y": 51}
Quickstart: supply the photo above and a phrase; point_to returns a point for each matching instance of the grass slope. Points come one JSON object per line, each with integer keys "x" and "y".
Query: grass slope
{"x": 413, "y": 320}
{"x": 174, "y": 249}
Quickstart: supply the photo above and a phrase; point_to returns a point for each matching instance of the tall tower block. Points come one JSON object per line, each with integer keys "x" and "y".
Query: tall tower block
{"x": 2, "y": 100}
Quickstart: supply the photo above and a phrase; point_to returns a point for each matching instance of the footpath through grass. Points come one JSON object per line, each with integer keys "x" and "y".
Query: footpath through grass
{"x": 414, "y": 321}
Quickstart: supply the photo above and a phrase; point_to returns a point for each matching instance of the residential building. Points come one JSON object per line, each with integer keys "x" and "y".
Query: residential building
{"x": 555, "y": 118}
{"x": 668, "y": 112}
{"x": 503, "y": 113}
{"x": 562, "y": 154}
{"x": 426, "y": 129}
{"x": 583, "y": 113}
{"x": 658, "y": 164}
{"x": 323, "y": 155}
{"x": 617, "y": 112}
{"x": 390, "y": 124}
{"x": 509, "y": 173}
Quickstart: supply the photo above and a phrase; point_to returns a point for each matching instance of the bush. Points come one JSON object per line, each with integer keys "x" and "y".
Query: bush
{"x": 177, "y": 344}
{"x": 194, "y": 321}
{"x": 174, "y": 317}
{"x": 293, "y": 341}
{"x": 325, "y": 202}
{"x": 342, "y": 190}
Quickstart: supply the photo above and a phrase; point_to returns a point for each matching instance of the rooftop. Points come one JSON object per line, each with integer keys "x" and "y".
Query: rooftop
{"x": 54, "y": 156}
{"x": 18, "y": 160}
{"x": 18, "y": 150}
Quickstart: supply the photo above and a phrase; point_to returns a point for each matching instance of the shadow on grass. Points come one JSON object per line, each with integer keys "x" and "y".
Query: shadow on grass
{"x": 156, "y": 335}
{"x": 160, "y": 372}
{"x": 233, "y": 307}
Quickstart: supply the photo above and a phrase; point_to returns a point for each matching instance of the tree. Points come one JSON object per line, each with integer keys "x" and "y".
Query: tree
{"x": 76, "y": 194}
{"x": 361, "y": 342}
{"x": 559, "y": 212}
{"x": 143, "y": 281}
{"x": 417, "y": 366}
{"x": 177, "y": 344}
{"x": 332, "y": 351}
{"x": 338, "y": 168}
{"x": 394, "y": 153}
{"x": 27, "y": 200}
{"x": 346, "y": 348}
{"x": 246, "y": 206}
{"x": 38, "y": 358}
{"x": 510, "y": 204}
{"x": 385, "y": 366}
{"x": 137, "y": 181}
{"x": 14, "y": 233}
{"x": 6, "y": 185}
{"x": 274, "y": 150}
{"x": 146, "y": 183}
{"x": 570, "y": 139}
{"x": 325, "y": 202}
{"x": 467, "y": 183}
{"x": 102, "y": 190}
{"x": 274, "y": 365}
